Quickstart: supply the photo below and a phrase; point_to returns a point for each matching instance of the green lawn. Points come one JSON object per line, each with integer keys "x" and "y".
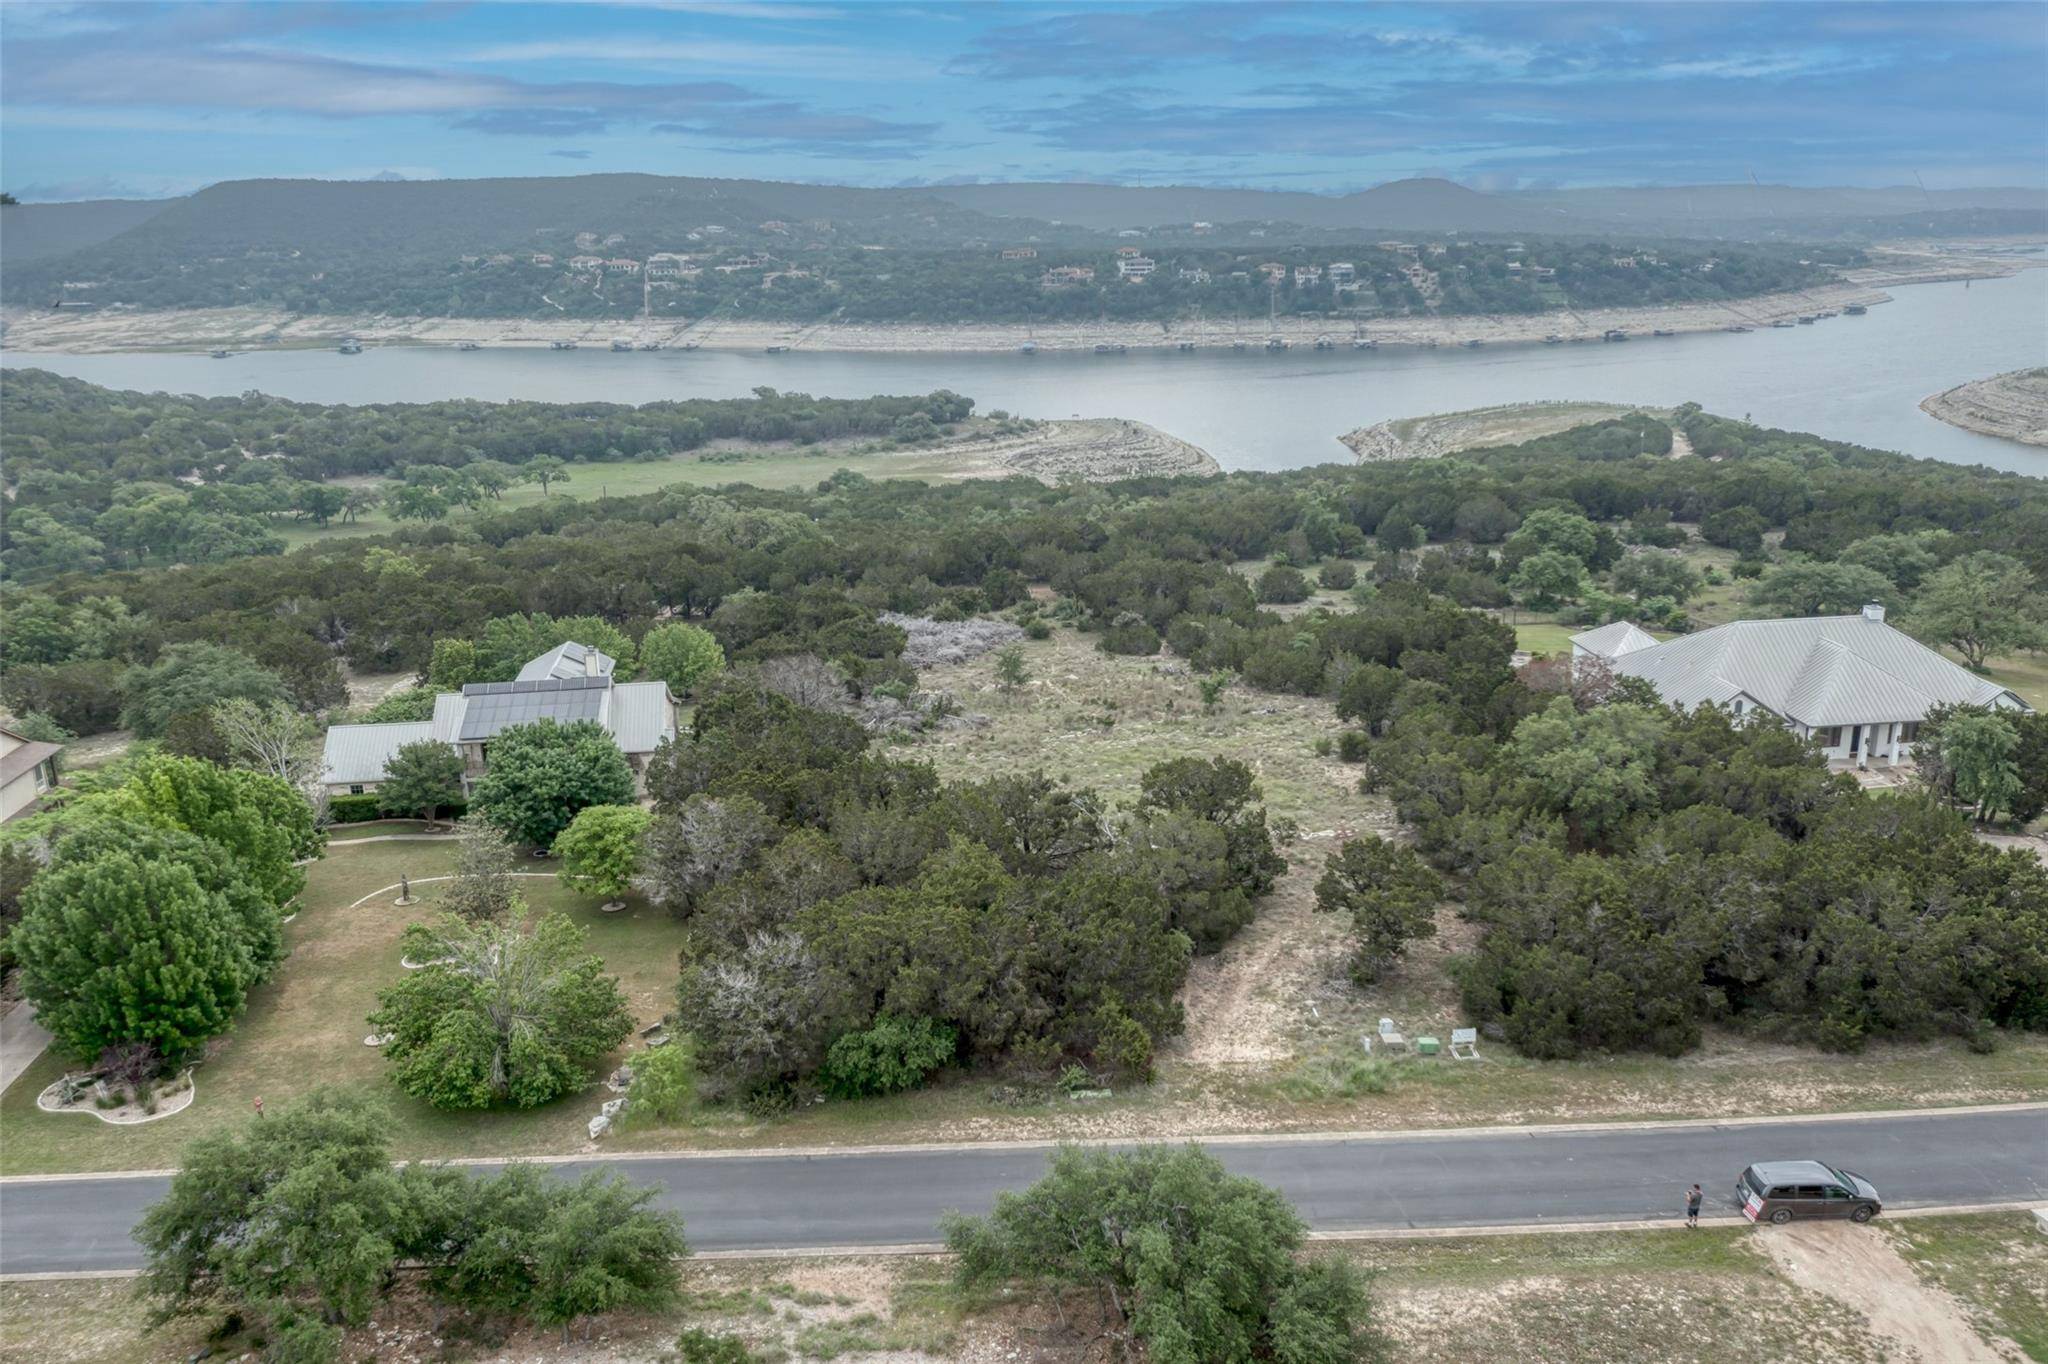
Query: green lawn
{"x": 305, "y": 1027}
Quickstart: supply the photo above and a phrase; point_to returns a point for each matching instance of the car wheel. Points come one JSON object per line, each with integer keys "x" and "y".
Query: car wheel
{"x": 1862, "y": 1214}
{"x": 1781, "y": 1217}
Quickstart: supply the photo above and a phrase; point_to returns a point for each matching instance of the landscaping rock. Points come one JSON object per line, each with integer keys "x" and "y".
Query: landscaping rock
{"x": 599, "y": 1125}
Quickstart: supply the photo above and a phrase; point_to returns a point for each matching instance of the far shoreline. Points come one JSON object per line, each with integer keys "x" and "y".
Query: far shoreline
{"x": 118, "y": 330}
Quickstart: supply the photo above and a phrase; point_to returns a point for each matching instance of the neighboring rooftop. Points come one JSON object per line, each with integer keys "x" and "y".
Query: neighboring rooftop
{"x": 1816, "y": 670}
{"x": 1614, "y": 639}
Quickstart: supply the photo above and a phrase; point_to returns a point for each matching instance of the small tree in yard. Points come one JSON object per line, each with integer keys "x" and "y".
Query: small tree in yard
{"x": 543, "y": 773}
{"x": 1979, "y": 749}
{"x": 500, "y": 1015}
{"x": 422, "y": 776}
{"x": 482, "y": 888}
{"x": 1010, "y": 670}
{"x": 602, "y": 848}
{"x": 141, "y": 937}
{"x": 681, "y": 655}
{"x": 1192, "y": 1261}
{"x": 1981, "y": 605}
{"x": 1391, "y": 895}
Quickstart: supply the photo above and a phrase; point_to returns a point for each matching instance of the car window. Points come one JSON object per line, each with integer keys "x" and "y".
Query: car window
{"x": 1784, "y": 1191}
{"x": 1807, "y": 1191}
{"x": 1835, "y": 1191}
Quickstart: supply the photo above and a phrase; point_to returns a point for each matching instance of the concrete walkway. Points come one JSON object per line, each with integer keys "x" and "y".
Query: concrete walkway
{"x": 22, "y": 1040}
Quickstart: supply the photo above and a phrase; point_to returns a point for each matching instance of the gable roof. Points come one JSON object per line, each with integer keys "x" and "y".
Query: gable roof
{"x": 362, "y": 753}
{"x": 1818, "y": 671}
{"x": 1614, "y": 639}
{"x": 638, "y": 715}
{"x": 568, "y": 660}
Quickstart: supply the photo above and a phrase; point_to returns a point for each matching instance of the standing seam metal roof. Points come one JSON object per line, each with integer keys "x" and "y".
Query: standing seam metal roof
{"x": 1819, "y": 670}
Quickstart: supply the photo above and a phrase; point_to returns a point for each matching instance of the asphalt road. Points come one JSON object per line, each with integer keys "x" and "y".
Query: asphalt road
{"x": 1484, "y": 1177}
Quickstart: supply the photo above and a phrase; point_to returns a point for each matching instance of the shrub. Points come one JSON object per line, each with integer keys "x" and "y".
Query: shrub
{"x": 1338, "y": 576}
{"x": 664, "y": 1087}
{"x": 893, "y": 1054}
{"x": 354, "y": 809}
{"x": 696, "y": 1346}
{"x": 1280, "y": 585}
{"x": 1130, "y": 633}
{"x": 602, "y": 849}
{"x": 1353, "y": 745}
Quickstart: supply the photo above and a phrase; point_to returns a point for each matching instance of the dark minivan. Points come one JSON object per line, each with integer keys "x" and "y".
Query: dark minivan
{"x": 1780, "y": 1190}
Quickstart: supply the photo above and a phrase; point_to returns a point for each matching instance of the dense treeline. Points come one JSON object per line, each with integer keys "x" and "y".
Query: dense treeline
{"x": 1144, "y": 562}
{"x": 1642, "y": 873}
{"x": 857, "y": 925}
{"x": 99, "y": 478}
{"x": 814, "y": 274}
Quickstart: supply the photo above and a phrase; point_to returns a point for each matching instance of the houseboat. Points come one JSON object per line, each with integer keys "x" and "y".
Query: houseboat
{"x": 467, "y": 345}
{"x": 622, "y": 345}
{"x": 561, "y": 345}
{"x": 219, "y": 354}
{"x": 1854, "y": 310}
{"x": 1614, "y": 334}
{"x": 351, "y": 347}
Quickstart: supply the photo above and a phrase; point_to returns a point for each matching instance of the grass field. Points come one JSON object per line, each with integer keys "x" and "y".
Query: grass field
{"x": 790, "y": 467}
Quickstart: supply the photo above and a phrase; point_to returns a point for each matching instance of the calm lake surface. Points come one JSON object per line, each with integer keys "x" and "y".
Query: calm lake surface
{"x": 1849, "y": 378}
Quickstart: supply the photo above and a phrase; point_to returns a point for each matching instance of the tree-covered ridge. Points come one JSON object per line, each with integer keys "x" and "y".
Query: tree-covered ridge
{"x": 916, "y": 262}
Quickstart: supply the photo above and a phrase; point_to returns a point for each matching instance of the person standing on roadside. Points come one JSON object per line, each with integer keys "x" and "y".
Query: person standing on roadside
{"x": 1692, "y": 1206}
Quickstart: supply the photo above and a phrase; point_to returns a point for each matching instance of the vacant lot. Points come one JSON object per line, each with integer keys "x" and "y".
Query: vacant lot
{"x": 1624, "y": 1297}
{"x": 1995, "y": 1265}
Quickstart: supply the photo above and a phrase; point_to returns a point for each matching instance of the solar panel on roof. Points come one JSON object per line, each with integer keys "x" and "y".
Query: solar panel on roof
{"x": 497, "y": 706}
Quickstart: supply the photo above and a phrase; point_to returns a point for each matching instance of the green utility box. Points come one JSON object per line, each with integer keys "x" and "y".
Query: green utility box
{"x": 1426, "y": 1046}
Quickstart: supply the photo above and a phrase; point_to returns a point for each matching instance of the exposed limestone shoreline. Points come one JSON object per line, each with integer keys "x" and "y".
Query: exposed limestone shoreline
{"x": 2013, "y": 406}
{"x": 1446, "y": 433}
{"x": 1094, "y": 450}
{"x": 241, "y": 329}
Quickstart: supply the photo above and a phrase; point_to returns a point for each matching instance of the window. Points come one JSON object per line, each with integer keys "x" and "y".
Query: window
{"x": 356, "y": 790}
{"x": 1807, "y": 1191}
{"x": 1835, "y": 1193}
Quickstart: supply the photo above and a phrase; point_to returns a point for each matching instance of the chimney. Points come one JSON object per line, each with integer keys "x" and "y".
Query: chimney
{"x": 1874, "y": 612}
{"x": 590, "y": 654}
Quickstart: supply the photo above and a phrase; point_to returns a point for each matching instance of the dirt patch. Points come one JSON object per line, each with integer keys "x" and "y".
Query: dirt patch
{"x": 1861, "y": 1269}
{"x": 1246, "y": 1004}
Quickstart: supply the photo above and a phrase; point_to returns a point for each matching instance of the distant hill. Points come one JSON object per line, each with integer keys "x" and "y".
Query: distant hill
{"x": 1399, "y": 206}
{"x": 31, "y": 231}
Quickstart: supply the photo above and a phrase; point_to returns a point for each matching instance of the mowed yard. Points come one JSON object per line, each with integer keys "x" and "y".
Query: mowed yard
{"x": 306, "y": 1026}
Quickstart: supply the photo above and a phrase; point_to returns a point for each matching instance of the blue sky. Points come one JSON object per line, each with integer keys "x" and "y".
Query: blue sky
{"x": 139, "y": 99}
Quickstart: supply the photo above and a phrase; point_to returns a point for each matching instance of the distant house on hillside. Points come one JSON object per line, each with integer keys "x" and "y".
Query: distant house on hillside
{"x": 28, "y": 768}
{"x": 1856, "y": 684}
{"x": 569, "y": 682}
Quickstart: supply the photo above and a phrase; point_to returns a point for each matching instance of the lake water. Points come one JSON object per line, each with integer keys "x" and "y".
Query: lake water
{"x": 1848, "y": 378}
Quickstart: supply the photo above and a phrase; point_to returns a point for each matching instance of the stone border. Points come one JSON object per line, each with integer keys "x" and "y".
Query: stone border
{"x": 168, "y": 1110}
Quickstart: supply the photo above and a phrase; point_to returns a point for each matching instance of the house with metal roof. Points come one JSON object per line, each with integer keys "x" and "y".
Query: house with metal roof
{"x": 568, "y": 683}
{"x": 1859, "y": 686}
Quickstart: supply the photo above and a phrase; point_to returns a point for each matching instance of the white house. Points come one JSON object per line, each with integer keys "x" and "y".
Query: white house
{"x": 1855, "y": 683}
{"x": 569, "y": 682}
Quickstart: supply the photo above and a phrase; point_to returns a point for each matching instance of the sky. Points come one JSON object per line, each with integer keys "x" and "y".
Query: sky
{"x": 142, "y": 100}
